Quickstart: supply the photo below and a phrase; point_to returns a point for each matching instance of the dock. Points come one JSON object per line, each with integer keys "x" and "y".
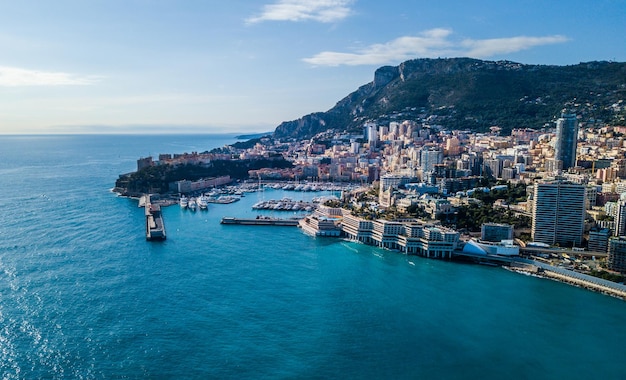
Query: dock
{"x": 261, "y": 221}
{"x": 155, "y": 229}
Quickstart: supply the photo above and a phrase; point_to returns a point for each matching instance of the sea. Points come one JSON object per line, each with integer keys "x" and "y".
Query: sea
{"x": 83, "y": 295}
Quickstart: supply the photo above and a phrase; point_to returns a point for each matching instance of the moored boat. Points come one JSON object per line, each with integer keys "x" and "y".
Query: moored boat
{"x": 183, "y": 202}
{"x": 192, "y": 205}
{"x": 202, "y": 202}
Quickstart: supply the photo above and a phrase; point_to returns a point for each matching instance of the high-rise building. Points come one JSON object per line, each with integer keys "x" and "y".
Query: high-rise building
{"x": 493, "y": 167}
{"x": 429, "y": 157}
{"x": 617, "y": 254}
{"x": 372, "y": 133}
{"x": 599, "y": 239}
{"x": 558, "y": 213}
{"x": 566, "y": 140}
{"x": 620, "y": 217}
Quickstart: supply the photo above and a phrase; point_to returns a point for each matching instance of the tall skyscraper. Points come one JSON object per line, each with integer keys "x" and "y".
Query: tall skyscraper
{"x": 566, "y": 140}
{"x": 558, "y": 213}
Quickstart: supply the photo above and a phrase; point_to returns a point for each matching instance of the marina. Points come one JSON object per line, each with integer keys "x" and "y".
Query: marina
{"x": 285, "y": 204}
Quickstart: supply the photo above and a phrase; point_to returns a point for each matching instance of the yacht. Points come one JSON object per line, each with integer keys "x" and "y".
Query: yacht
{"x": 184, "y": 202}
{"x": 192, "y": 205}
{"x": 202, "y": 202}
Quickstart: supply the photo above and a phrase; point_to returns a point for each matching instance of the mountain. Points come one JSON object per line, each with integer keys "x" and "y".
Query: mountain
{"x": 465, "y": 93}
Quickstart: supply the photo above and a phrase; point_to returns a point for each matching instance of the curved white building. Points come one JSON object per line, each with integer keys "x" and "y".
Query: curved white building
{"x": 504, "y": 248}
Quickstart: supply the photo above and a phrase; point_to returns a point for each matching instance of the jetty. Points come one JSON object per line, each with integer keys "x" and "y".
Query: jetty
{"x": 155, "y": 229}
{"x": 260, "y": 221}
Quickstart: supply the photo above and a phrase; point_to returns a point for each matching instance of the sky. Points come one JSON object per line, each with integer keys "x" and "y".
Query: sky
{"x": 243, "y": 66}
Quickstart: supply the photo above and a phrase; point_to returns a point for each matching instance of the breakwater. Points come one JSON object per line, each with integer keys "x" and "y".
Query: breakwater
{"x": 155, "y": 228}
{"x": 570, "y": 277}
{"x": 261, "y": 221}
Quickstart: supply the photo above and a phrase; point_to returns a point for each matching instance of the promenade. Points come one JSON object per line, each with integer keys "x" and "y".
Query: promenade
{"x": 550, "y": 271}
{"x": 579, "y": 279}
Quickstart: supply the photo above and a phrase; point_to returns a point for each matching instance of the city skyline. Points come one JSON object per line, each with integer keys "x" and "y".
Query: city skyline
{"x": 159, "y": 67}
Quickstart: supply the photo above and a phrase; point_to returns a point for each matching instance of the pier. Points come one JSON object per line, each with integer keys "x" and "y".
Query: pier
{"x": 261, "y": 221}
{"x": 155, "y": 229}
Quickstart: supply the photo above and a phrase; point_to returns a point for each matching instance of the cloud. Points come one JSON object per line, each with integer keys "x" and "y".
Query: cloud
{"x": 430, "y": 44}
{"x": 16, "y": 77}
{"x": 490, "y": 47}
{"x": 304, "y": 10}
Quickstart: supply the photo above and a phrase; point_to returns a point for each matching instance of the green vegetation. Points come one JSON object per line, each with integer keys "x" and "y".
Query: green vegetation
{"x": 608, "y": 275}
{"x": 471, "y": 217}
{"x": 472, "y": 94}
{"x": 513, "y": 194}
{"x": 156, "y": 179}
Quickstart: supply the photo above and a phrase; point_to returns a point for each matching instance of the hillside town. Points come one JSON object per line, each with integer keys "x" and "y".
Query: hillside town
{"x": 560, "y": 186}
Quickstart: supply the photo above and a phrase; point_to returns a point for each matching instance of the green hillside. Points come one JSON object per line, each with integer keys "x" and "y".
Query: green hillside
{"x": 464, "y": 93}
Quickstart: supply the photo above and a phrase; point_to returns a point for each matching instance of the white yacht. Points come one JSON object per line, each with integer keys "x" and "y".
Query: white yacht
{"x": 184, "y": 202}
{"x": 202, "y": 202}
{"x": 192, "y": 205}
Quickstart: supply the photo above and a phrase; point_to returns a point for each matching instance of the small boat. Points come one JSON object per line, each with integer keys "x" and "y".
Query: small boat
{"x": 184, "y": 202}
{"x": 192, "y": 205}
{"x": 202, "y": 202}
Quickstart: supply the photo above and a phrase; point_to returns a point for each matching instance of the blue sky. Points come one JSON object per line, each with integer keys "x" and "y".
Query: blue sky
{"x": 123, "y": 66}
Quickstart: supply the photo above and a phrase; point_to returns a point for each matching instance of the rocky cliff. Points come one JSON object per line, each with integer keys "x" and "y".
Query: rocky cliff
{"x": 464, "y": 93}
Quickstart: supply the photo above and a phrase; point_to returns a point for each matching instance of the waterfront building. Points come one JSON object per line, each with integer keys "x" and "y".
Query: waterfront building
{"x": 599, "y": 239}
{"x": 558, "y": 214}
{"x": 503, "y": 248}
{"x": 409, "y": 236}
{"x": 323, "y": 222}
{"x": 385, "y": 234}
{"x": 357, "y": 229}
{"x": 496, "y": 232}
{"x": 617, "y": 254}
{"x": 566, "y": 140}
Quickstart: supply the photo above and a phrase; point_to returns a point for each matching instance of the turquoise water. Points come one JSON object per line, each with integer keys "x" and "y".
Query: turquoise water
{"x": 83, "y": 295}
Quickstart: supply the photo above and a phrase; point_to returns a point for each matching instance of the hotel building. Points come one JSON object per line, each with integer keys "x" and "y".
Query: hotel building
{"x": 410, "y": 236}
{"x": 558, "y": 213}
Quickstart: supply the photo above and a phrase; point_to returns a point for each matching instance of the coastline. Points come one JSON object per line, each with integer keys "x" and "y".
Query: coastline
{"x": 531, "y": 270}
{"x": 535, "y": 269}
